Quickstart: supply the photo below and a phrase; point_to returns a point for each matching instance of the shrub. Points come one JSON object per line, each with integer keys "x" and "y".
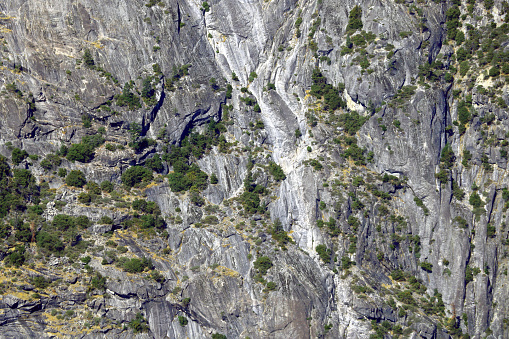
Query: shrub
{"x": 16, "y": 258}
{"x": 324, "y": 253}
{"x": 128, "y": 98}
{"x": 84, "y": 198}
{"x": 252, "y": 76}
{"x": 18, "y": 156}
{"x": 86, "y": 120}
{"x": 51, "y": 161}
{"x": 80, "y": 152}
{"x": 494, "y": 72}
{"x": 213, "y": 179}
{"x": 93, "y": 188}
{"x": 352, "y": 122}
{"x": 271, "y": 286}
{"x": 462, "y": 223}
{"x": 182, "y": 321}
{"x": 279, "y": 234}
{"x": 86, "y": 260}
{"x": 49, "y": 241}
{"x": 139, "y": 324}
{"x": 320, "y": 88}
{"x": 346, "y": 263}
{"x": 107, "y": 186}
{"x": 155, "y": 163}
{"x": 63, "y": 222}
{"x": 428, "y": 267}
{"x": 136, "y": 174}
{"x": 210, "y": 219}
{"x": 355, "y": 19}
{"x": 447, "y": 157}
{"x": 62, "y": 172}
{"x": 82, "y": 221}
{"x": 88, "y": 59}
{"x": 398, "y": 275}
{"x": 105, "y": 220}
{"x": 76, "y": 178}
{"x": 149, "y": 221}
{"x": 40, "y": 282}
{"x": 276, "y": 171}
{"x": 475, "y": 200}
{"x": 136, "y": 265}
{"x": 263, "y": 264}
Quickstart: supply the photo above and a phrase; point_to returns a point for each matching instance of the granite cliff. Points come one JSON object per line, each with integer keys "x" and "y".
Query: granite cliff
{"x": 254, "y": 169}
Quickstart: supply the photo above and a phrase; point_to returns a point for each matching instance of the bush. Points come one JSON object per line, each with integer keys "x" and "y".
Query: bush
{"x": 18, "y": 156}
{"x": 475, "y": 200}
{"x": 398, "y": 275}
{"x": 128, "y": 98}
{"x": 210, "y": 219}
{"x": 49, "y": 241}
{"x": 82, "y": 221}
{"x": 352, "y": 122}
{"x": 76, "y": 178}
{"x": 136, "y": 265}
{"x": 105, "y": 220}
{"x": 355, "y": 19}
{"x": 16, "y": 258}
{"x": 213, "y": 179}
{"x": 218, "y": 336}
{"x": 80, "y": 152}
{"x": 263, "y": 264}
{"x": 182, "y": 321}
{"x": 276, "y": 171}
{"x": 139, "y": 324}
{"x": 149, "y": 221}
{"x": 62, "y": 172}
{"x": 84, "y": 198}
{"x": 136, "y": 174}
{"x": 88, "y": 59}
{"x": 155, "y": 163}
{"x": 51, "y": 161}
{"x": 324, "y": 253}
{"x": 271, "y": 286}
{"x": 98, "y": 282}
{"x": 428, "y": 267}
{"x": 320, "y": 88}
{"x": 494, "y": 72}
{"x": 86, "y": 260}
{"x": 86, "y": 120}
{"x": 40, "y": 282}
{"x": 107, "y": 186}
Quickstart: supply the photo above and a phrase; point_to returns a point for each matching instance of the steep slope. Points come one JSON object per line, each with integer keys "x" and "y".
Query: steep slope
{"x": 262, "y": 169}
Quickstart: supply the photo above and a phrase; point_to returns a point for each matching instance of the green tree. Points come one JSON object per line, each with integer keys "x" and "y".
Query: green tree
{"x": 80, "y": 152}
{"x": 213, "y": 179}
{"x": 49, "y": 241}
{"x": 355, "y": 19}
{"x": 107, "y": 186}
{"x": 136, "y": 174}
{"x": 88, "y": 59}
{"x": 475, "y": 200}
{"x": 139, "y": 324}
{"x": 263, "y": 264}
{"x": 324, "y": 253}
{"x": 276, "y": 171}
{"x": 76, "y": 178}
{"x": 18, "y": 156}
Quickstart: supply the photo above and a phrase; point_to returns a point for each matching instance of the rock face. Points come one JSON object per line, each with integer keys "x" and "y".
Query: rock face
{"x": 388, "y": 220}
